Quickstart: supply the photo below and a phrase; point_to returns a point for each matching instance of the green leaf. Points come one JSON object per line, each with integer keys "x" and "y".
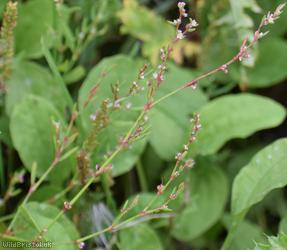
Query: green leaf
{"x": 32, "y": 134}
{"x": 238, "y": 19}
{"x": 34, "y": 217}
{"x": 274, "y": 243}
{"x": 270, "y": 64}
{"x": 140, "y": 237}
{"x": 124, "y": 70}
{"x": 147, "y": 26}
{"x": 33, "y": 23}
{"x": 31, "y": 78}
{"x": 239, "y": 158}
{"x": 235, "y": 116}
{"x": 265, "y": 172}
{"x": 208, "y": 191}
{"x": 75, "y": 75}
{"x": 170, "y": 119}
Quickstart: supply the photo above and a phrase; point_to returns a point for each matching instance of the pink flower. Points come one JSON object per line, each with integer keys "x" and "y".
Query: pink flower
{"x": 181, "y": 5}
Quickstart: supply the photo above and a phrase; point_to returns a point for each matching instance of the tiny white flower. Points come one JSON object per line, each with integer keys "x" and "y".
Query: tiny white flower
{"x": 128, "y": 105}
{"x": 178, "y": 156}
{"x": 194, "y": 23}
{"x": 270, "y": 18}
{"x": 177, "y": 21}
{"x": 93, "y": 117}
{"x": 179, "y": 35}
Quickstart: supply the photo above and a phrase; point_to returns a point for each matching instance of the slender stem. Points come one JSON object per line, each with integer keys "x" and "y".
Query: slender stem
{"x": 168, "y": 95}
{"x": 114, "y": 228}
{"x": 61, "y": 194}
{"x": 236, "y": 220}
{"x": 12, "y": 238}
{"x": 109, "y": 196}
{"x": 141, "y": 176}
{"x": 56, "y": 73}
{"x": 228, "y": 240}
{"x": 33, "y": 188}
{"x": 7, "y": 217}
{"x": 94, "y": 234}
{"x": 84, "y": 188}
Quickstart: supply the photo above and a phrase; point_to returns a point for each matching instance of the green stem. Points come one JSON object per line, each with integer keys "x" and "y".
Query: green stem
{"x": 92, "y": 179}
{"x": 12, "y": 238}
{"x": 56, "y": 72}
{"x": 33, "y": 188}
{"x": 6, "y": 217}
{"x": 228, "y": 240}
{"x": 236, "y": 220}
{"x": 107, "y": 189}
{"x": 93, "y": 235}
{"x": 141, "y": 176}
{"x": 169, "y": 95}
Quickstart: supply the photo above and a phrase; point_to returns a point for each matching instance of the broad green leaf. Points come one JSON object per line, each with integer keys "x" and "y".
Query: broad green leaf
{"x": 208, "y": 192}
{"x": 34, "y": 216}
{"x": 32, "y": 134}
{"x": 241, "y": 23}
{"x": 30, "y": 78}
{"x": 239, "y": 158}
{"x": 33, "y": 23}
{"x": 140, "y": 237}
{"x": 246, "y": 234}
{"x": 235, "y": 116}
{"x": 265, "y": 172}
{"x": 274, "y": 243}
{"x": 123, "y": 70}
{"x": 147, "y": 26}
{"x": 170, "y": 119}
{"x": 270, "y": 64}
